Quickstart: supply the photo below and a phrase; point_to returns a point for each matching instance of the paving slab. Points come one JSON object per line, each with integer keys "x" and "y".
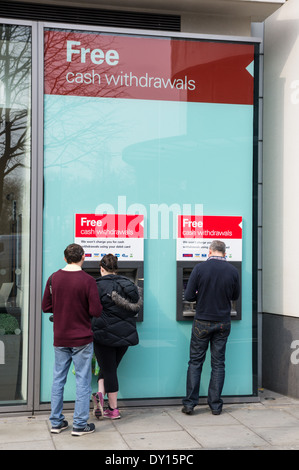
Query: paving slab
{"x": 219, "y": 437}
{"x": 266, "y": 417}
{"x": 283, "y": 436}
{"x": 29, "y": 431}
{"x": 146, "y": 420}
{"x": 171, "y": 440}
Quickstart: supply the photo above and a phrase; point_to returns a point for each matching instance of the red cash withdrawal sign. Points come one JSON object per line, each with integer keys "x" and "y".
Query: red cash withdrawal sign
{"x": 128, "y": 67}
{"x": 119, "y": 234}
{"x": 195, "y": 234}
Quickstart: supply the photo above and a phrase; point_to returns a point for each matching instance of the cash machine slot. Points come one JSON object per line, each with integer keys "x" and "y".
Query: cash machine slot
{"x": 132, "y": 270}
{"x": 186, "y": 310}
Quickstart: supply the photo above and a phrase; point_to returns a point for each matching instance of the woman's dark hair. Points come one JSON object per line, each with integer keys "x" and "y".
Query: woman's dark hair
{"x": 73, "y": 253}
{"x": 109, "y": 263}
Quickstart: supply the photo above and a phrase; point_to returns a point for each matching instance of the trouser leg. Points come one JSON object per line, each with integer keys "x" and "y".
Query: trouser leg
{"x": 198, "y": 348}
{"x": 82, "y": 357}
{"x": 218, "y": 347}
{"x": 63, "y": 359}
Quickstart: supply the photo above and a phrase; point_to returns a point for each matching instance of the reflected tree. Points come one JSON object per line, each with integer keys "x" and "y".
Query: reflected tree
{"x": 15, "y": 89}
{"x": 65, "y": 147}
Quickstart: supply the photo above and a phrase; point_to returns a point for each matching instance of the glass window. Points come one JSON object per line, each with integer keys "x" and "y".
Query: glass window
{"x": 157, "y": 126}
{"x": 15, "y": 148}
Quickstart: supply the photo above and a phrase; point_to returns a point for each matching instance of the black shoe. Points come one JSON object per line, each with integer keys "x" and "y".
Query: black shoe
{"x": 57, "y": 429}
{"x": 89, "y": 428}
{"x": 216, "y": 412}
{"x": 187, "y": 411}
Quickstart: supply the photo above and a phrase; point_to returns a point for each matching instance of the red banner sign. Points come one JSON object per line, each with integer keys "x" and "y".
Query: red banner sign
{"x": 212, "y": 227}
{"x": 108, "y": 226}
{"x": 112, "y": 66}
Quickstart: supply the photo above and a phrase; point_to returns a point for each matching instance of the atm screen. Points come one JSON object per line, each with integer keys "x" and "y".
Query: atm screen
{"x": 129, "y": 273}
{"x": 188, "y": 307}
{"x": 94, "y": 272}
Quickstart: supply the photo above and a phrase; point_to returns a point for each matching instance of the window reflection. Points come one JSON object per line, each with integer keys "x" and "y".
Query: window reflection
{"x": 15, "y": 113}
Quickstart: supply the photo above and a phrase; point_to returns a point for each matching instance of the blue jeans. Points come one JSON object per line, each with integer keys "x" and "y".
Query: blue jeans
{"x": 81, "y": 357}
{"x": 203, "y": 334}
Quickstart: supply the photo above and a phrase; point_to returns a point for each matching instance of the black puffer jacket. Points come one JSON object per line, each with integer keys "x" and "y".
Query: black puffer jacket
{"x": 121, "y": 302}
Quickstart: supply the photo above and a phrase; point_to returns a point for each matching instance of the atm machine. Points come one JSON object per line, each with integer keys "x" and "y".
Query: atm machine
{"x": 195, "y": 234}
{"x": 186, "y": 310}
{"x": 119, "y": 234}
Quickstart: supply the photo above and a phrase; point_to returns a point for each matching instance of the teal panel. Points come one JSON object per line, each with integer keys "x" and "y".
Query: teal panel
{"x": 156, "y": 158}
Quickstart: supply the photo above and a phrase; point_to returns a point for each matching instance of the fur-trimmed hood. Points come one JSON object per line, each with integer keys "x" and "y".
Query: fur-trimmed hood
{"x": 125, "y": 303}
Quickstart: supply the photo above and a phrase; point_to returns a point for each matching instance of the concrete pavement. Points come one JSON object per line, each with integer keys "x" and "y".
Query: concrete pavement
{"x": 271, "y": 424}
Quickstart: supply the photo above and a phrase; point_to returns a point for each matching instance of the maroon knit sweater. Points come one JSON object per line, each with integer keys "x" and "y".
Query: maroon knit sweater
{"x": 74, "y": 300}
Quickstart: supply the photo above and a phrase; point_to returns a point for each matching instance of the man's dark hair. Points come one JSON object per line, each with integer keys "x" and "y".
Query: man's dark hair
{"x": 73, "y": 253}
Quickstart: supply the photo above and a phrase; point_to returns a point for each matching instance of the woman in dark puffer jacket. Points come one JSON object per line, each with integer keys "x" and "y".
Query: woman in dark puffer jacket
{"x": 113, "y": 332}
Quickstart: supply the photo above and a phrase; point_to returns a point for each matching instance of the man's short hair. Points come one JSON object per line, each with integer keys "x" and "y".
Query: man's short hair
{"x": 218, "y": 245}
{"x": 73, "y": 253}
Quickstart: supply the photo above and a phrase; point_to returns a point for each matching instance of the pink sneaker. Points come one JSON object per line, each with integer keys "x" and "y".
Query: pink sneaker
{"x": 112, "y": 414}
{"x": 98, "y": 404}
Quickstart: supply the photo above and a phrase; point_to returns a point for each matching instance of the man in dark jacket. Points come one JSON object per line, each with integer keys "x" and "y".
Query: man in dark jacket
{"x": 213, "y": 285}
{"x": 73, "y": 298}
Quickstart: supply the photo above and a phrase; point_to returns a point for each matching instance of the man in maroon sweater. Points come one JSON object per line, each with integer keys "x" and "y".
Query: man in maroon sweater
{"x": 72, "y": 295}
